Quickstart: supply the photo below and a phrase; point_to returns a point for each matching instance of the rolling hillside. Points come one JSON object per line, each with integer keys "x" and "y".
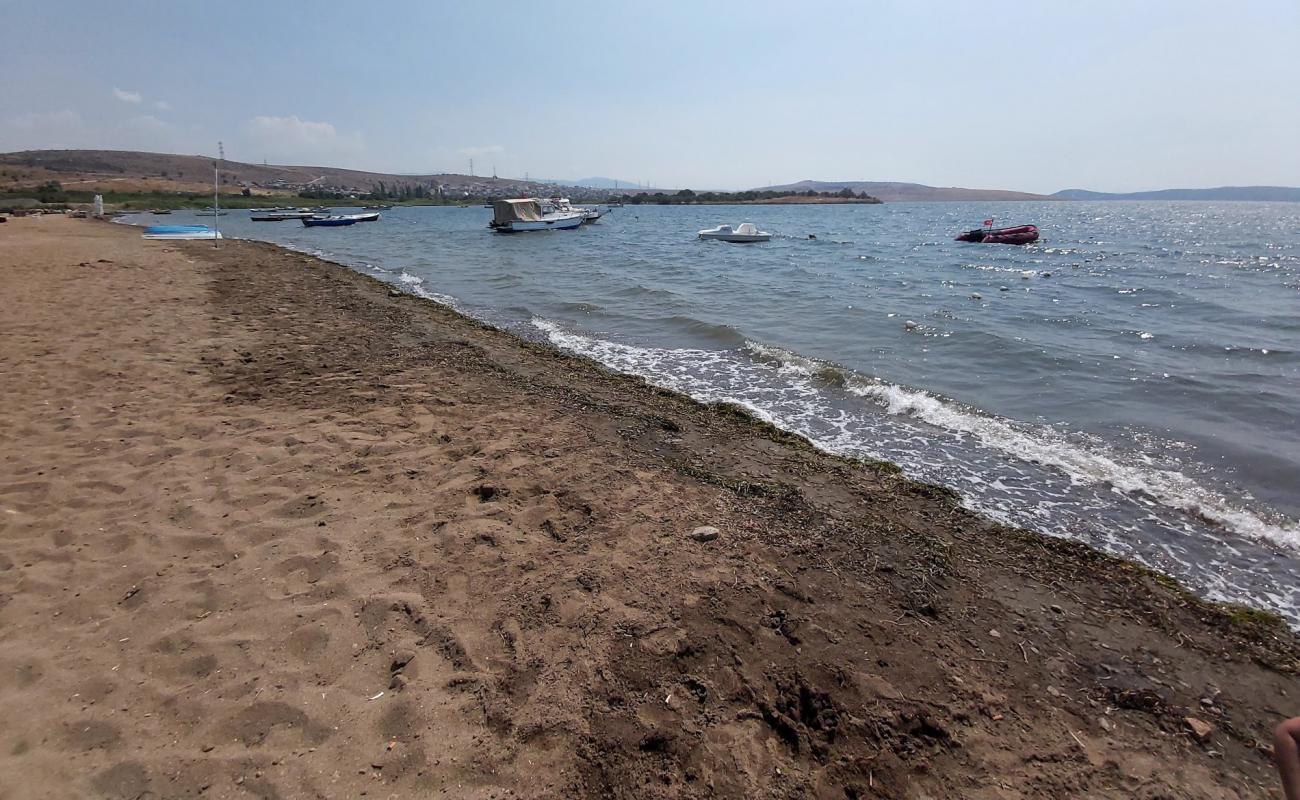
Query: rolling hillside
{"x": 1274, "y": 193}
{"x": 892, "y": 192}
{"x": 122, "y": 170}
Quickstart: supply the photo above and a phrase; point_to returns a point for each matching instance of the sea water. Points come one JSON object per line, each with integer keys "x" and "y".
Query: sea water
{"x": 1131, "y": 381}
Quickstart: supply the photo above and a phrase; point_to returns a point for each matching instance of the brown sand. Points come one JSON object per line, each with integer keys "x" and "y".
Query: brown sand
{"x": 268, "y": 531}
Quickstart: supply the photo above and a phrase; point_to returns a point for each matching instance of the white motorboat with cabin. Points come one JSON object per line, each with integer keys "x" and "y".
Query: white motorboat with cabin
{"x": 562, "y": 204}
{"x": 528, "y": 214}
{"x": 746, "y": 233}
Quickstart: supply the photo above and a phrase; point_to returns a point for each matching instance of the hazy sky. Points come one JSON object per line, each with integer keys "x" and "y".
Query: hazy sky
{"x": 1036, "y": 96}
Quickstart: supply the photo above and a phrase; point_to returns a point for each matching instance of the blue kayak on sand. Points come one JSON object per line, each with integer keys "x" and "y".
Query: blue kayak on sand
{"x": 180, "y": 232}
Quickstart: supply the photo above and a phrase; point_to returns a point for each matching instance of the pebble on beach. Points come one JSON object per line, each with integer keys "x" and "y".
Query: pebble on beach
{"x": 705, "y": 533}
{"x": 1198, "y": 729}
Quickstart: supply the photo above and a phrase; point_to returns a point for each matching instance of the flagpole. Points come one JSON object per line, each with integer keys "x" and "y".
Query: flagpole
{"x": 216, "y": 194}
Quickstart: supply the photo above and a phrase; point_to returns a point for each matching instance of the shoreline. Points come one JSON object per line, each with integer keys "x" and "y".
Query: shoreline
{"x": 520, "y": 522}
{"x": 1229, "y": 611}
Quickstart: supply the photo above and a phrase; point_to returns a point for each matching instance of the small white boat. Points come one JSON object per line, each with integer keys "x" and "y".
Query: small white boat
{"x": 527, "y": 214}
{"x": 746, "y": 233}
{"x": 372, "y": 216}
{"x": 281, "y": 217}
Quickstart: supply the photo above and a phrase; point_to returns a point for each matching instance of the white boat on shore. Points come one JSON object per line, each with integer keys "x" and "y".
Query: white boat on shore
{"x": 745, "y": 234}
{"x": 528, "y": 214}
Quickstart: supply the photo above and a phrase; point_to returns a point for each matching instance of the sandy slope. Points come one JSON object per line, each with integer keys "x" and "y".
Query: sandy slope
{"x": 267, "y": 531}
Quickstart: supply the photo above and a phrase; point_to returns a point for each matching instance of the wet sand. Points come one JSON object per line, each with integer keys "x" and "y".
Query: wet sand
{"x": 268, "y": 530}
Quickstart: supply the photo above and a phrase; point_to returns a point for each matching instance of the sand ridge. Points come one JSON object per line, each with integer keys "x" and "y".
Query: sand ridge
{"x": 268, "y": 531}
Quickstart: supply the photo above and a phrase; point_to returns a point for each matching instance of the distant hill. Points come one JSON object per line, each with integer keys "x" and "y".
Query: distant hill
{"x": 125, "y": 170}
{"x": 891, "y": 192}
{"x": 1274, "y": 193}
{"x": 606, "y": 183}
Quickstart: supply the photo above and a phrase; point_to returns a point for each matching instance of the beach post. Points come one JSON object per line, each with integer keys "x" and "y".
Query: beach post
{"x": 216, "y": 195}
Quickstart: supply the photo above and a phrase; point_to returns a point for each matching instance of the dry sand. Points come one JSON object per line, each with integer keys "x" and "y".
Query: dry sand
{"x": 268, "y": 531}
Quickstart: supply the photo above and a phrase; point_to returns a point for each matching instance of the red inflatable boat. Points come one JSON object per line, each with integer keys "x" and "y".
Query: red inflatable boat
{"x": 1021, "y": 234}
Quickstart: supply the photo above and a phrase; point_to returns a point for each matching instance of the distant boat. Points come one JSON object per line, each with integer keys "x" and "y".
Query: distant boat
{"x": 526, "y": 214}
{"x": 210, "y": 213}
{"x": 747, "y": 233}
{"x": 1020, "y": 234}
{"x": 180, "y": 232}
{"x": 379, "y": 207}
{"x": 281, "y": 217}
{"x": 160, "y": 211}
{"x": 328, "y": 222}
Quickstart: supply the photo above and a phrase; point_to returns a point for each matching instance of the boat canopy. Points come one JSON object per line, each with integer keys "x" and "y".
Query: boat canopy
{"x": 505, "y": 212}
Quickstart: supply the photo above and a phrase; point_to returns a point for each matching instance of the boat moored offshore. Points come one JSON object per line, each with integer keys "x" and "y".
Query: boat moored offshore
{"x": 562, "y": 204}
{"x": 328, "y": 222}
{"x": 527, "y": 214}
{"x": 746, "y": 233}
{"x": 1020, "y": 234}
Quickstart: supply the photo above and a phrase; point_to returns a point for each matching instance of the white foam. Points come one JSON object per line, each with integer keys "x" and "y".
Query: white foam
{"x": 1092, "y": 465}
{"x": 1083, "y": 465}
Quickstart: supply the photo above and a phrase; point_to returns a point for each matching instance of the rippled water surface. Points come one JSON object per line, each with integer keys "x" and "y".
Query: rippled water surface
{"x": 1132, "y": 381}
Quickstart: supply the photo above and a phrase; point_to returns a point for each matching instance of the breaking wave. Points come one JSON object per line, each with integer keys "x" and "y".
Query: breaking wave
{"x": 1095, "y": 465}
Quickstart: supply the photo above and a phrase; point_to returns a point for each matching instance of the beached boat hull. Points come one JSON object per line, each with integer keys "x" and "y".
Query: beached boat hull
{"x": 1020, "y": 234}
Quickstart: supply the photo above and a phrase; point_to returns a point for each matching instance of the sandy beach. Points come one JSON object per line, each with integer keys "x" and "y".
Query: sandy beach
{"x": 269, "y": 528}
